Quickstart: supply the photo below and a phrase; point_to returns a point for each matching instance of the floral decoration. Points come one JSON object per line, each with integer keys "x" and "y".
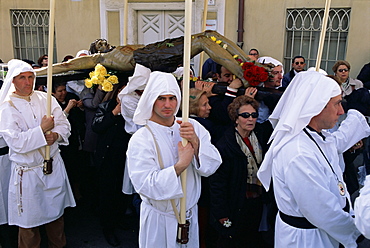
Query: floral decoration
{"x": 253, "y": 73}
{"x": 227, "y": 223}
{"x": 100, "y": 77}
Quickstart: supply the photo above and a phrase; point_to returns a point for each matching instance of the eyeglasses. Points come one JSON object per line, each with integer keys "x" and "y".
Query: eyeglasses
{"x": 247, "y": 115}
{"x": 254, "y": 54}
{"x": 297, "y": 63}
{"x": 343, "y": 70}
{"x": 44, "y": 58}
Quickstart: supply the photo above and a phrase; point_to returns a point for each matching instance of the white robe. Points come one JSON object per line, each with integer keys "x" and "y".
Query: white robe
{"x": 4, "y": 184}
{"x": 305, "y": 186}
{"x": 43, "y": 197}
{"x": 158, "y": 226}
{"x": 362, "y": 209}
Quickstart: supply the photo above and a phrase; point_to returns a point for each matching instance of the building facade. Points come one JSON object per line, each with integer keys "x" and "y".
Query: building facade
{"x": 280, "y": 29}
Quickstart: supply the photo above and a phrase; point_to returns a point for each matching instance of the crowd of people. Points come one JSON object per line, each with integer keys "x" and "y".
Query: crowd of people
{"x": 262, "y": 170}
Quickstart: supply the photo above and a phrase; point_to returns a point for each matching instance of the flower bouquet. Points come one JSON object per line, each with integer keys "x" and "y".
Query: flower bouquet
{"x": 100, "y": 77}
{"x": 253, "y": 72}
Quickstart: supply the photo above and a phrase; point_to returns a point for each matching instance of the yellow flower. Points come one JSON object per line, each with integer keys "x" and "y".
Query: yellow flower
{"x": 100, "y": 69}
{"x": 113, "y": 79}
{"x": 88, "y": 83}
{"x": 235, "y": 56}
{"x": 224, "y": 46}
{"x": 101, "y": 78}
{"x": 213, "y": 38}
{"x": 107, "y": 86}
{"x": 91, "y": 74}
{"x": 218, "y": 42}
{"x": 241, "y": 64}
{"x": 94, "y": 80}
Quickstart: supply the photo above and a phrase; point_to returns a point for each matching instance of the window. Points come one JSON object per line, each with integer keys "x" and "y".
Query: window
{"x": 30, "y": 33}
{"x": 303, "y": 27}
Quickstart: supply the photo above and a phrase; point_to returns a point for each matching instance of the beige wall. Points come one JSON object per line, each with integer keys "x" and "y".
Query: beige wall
{"x": 76, "y": 24}
{"x": 264, "y": 27}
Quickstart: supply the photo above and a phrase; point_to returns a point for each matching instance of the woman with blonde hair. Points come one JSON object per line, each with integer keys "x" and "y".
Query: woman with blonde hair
{"x": 341, "y": 70}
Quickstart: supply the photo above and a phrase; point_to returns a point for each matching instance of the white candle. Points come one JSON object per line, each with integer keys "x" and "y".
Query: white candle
{"x": 322, "y": 34}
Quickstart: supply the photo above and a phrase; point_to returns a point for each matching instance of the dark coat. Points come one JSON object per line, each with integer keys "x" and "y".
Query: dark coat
{"x": 110, "y": 159}
{"x": 112, "y": 137}
{"x": 287, "y": 78}
{"x": 228, "y": 184}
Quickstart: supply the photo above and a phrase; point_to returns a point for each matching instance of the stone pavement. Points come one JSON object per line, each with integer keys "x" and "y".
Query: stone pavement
{"x": 83, "y": 230}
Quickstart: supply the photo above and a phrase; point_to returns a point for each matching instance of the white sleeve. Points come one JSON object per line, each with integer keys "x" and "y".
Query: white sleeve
{"x": 362, "y": 209}
{"x": 351, "y": 130}
{"x": 145, "y": 173}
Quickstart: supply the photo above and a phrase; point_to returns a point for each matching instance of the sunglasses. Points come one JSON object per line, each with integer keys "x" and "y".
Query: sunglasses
{"x": 247, "y": 115}
{"x": 297, "y": 63}
{"x": 254, "y": 54}
{"x": 343, "y": 70}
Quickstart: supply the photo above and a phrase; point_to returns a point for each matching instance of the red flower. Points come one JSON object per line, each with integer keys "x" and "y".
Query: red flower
{"x": 254, "y": 74}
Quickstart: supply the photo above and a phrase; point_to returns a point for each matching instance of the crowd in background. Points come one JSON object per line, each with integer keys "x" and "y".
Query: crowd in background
{"x": 239, "y": 128}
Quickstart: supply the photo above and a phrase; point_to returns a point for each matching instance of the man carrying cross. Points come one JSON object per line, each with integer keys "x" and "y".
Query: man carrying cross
{"x": 156, "y": 158}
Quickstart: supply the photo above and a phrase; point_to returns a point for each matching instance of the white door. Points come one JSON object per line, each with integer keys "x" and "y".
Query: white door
{"x": 158, "y": 25}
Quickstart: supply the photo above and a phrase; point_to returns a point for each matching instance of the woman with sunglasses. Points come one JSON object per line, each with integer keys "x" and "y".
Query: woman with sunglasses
{"x": 341, "y": 70}
{"x": 236, "y": 193}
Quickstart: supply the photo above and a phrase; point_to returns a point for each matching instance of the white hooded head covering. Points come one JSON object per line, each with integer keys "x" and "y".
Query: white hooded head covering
{"x": 79, "y": 53}
{"x": 159, "y": 83}
{"x": 15, "y": 67}
{"x": 305, "y": 98}
{"x": 267, "y": 60}
{"x": 320, "y": 70}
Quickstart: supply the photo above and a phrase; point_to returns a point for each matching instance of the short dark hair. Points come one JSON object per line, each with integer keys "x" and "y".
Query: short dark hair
{"x": 57, "y": 84}
{"x": 233, "y": 108}
{"x": 253, "y": 49}
{"x": 218, "y": 69}
{"x": 298, "y": 57}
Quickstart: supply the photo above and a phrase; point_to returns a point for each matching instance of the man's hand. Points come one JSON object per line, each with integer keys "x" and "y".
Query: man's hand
{"x": 51, "y": 138}
{"x": 47, "y": 123}
{"x": 236, "y": 83}
{"x": 186, "y": 154}
{"x": 187, "y": 132}
{"x": 117, "y": 109}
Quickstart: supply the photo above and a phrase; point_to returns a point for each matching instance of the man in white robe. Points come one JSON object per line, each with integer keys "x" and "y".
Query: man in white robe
{"x": 34, "y": 198}
{"x": 303, "y": 159}
{"x": 156, "y": 109}
{"x": 362, "y": 209}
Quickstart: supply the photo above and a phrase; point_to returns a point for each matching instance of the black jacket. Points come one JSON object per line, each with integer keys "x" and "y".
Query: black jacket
{"x": 228, "y": 184}
{"x": 112, "y": 137}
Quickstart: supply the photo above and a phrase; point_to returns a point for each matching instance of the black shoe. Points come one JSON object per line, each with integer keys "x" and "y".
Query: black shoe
{"x": 111, "y": 238}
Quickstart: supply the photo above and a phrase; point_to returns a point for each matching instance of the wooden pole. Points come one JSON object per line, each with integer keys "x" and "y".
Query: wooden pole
{"x": 185, "y": 97}
{"x": 204, "y": 25}
{"x": 125, "y": 20}
{"x": 49, "y": 81}
{"x": 322, "y": 34}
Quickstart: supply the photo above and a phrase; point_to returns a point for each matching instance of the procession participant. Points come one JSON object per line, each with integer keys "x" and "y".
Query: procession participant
{"x": 156, "y": 158}
{"x": 8, "y": 234}
{"x": 362, "y": 209}
{"x": 303, "y": 160}
{"x": 35, "y": 198}
{"x": 298, "y": 64}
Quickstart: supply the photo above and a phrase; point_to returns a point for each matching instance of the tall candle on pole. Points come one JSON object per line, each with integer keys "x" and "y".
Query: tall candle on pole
{"x": 48, "y": 161}
{"x": 322, "y": 34}
{"x": 125, "y": 19}
{"x": 204, "y": 25}
{"x": 185, "y": 99}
